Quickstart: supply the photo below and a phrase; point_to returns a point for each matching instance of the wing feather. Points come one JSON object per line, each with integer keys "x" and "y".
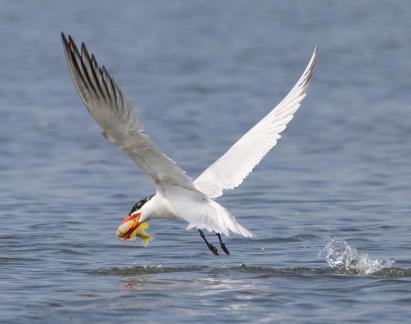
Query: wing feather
{"x": 229, "y": 171}
{"x": 119, "y": 122}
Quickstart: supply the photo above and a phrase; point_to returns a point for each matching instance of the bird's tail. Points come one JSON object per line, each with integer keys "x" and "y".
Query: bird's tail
{"x": 217, "y": 219}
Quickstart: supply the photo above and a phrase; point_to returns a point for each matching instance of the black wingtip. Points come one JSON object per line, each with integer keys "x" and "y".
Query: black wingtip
{"x": 70, "y": 39}
{"x": 94, "y": 61}
{"x": 84, "y": 51}
{"x": 63, "y": 38}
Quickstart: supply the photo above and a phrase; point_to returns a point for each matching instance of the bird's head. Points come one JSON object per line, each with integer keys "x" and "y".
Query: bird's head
{"x": 132, "y": 225}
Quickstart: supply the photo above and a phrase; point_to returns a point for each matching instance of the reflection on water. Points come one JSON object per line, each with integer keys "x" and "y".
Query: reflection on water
{"x": 134, "y": 282}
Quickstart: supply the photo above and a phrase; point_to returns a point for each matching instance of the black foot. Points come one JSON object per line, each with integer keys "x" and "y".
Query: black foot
{"x": 211, "y": 247}
{"x": 222, "y": 245}
{"x": 224, "y": 248}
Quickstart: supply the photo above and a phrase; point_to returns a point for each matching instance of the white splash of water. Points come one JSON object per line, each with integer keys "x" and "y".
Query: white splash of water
{"x": 339, "y": 254}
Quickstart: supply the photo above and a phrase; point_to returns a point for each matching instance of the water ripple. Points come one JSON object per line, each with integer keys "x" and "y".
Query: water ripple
{"x": 249, "y": 269}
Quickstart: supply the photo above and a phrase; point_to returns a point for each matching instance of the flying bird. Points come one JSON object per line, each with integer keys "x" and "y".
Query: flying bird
{"x": 177, "y": 195}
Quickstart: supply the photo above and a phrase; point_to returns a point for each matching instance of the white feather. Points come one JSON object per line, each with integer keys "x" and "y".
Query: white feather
{"x": 229, "y": 171}
{"x": 119, "y": 122}
{"x": 177, "y": 196}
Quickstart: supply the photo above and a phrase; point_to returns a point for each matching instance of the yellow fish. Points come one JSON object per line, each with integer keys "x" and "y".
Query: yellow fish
{"x": 143, "y": 235}
{"x": 130, "y": 229}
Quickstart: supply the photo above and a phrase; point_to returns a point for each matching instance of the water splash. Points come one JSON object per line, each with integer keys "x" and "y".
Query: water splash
{"x": 339, "y": 254}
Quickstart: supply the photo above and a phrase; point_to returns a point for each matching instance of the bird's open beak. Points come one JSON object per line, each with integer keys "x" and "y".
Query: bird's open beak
{"x": 128, "y": 226}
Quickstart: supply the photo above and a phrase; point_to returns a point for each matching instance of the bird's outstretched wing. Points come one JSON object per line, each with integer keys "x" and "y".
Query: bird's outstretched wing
{"x": 119, "y": 122}
{"x": 229, "y": 171}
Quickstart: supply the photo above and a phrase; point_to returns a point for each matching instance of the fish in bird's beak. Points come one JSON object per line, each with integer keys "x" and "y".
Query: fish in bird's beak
{"x": 130, "y": 228}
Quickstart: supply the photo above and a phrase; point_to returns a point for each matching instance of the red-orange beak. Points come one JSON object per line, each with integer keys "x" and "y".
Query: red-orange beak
{"x": 130, "y": 217}
{"x": 127, "y": 226}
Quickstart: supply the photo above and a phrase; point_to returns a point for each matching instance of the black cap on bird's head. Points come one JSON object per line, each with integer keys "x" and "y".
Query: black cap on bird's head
{"x": 131, "y": 222}
{"x": 139, "y": 204}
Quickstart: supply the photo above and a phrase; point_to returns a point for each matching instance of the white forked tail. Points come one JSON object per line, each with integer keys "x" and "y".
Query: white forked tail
{"x": 215, "y": 218}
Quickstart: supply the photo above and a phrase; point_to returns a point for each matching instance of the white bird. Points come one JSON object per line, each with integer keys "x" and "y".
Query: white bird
{"x": 177, "y": 195}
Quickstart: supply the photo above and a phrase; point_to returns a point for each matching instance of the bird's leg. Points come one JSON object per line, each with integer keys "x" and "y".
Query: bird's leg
{"x": 223, "y": 246}
{"x": 211, "y": 247}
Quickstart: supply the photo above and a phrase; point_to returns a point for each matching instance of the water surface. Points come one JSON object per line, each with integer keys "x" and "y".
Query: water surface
{"x": 200, "y": 74}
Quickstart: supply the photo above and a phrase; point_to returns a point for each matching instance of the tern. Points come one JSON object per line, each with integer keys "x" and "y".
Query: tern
{"x": 177, "y": 195}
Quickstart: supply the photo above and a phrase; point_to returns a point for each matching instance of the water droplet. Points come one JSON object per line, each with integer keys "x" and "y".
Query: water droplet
{"x": 339, "y": 254}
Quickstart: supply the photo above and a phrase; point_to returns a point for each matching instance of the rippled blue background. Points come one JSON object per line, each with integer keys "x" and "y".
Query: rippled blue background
{"x": 200, "y": 74}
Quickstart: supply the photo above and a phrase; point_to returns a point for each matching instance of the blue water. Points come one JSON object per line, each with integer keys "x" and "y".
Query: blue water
{"x": 330, "y": 205}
